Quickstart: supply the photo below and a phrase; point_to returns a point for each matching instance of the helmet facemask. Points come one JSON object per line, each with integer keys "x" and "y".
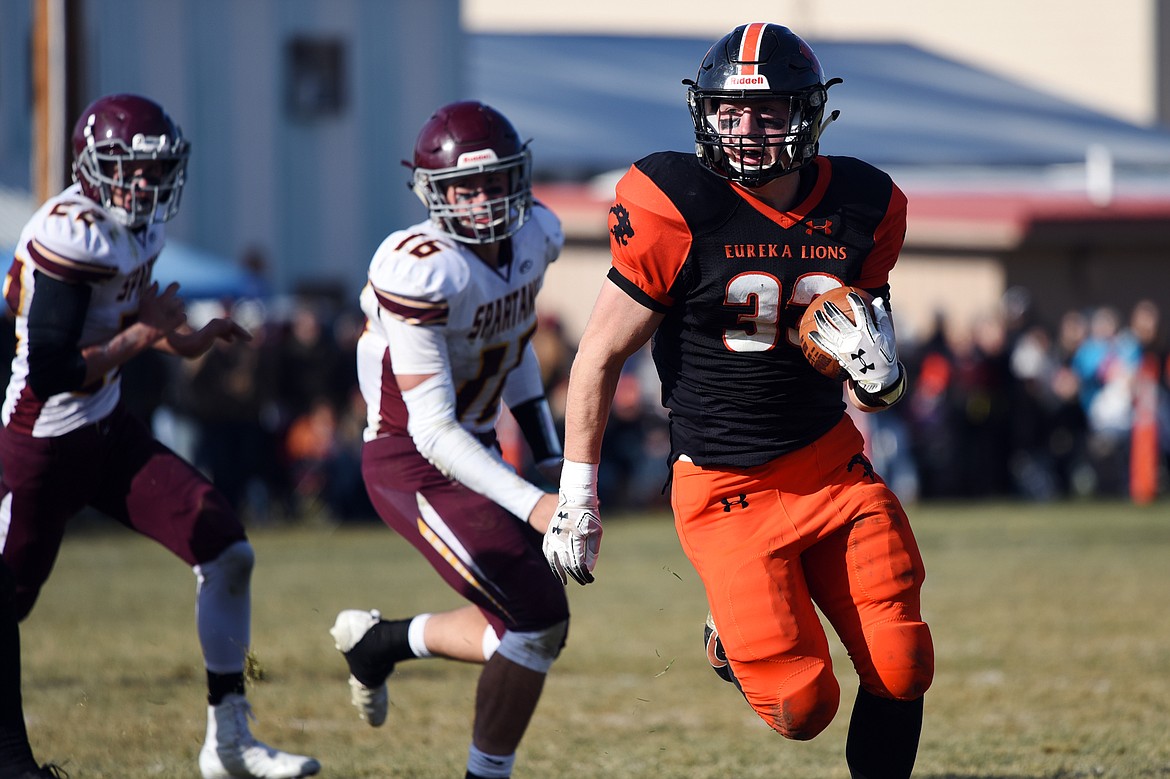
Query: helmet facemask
{"x": 770, "y": 75}
{"x": 138, "y": 184}
{"x": 788, "y": 128}
{"x": 507, "y": 183}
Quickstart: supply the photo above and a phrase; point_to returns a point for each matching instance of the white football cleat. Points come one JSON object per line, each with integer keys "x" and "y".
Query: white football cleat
{"x": 231, "y": 750}
{"x": 350, "y": 627}
{"x": 372, "y": 703}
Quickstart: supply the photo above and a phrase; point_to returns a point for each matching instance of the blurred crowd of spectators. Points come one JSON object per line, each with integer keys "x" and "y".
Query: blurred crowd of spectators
{"x": 1016, "y": 407}
{"x": 1008, "y": 407}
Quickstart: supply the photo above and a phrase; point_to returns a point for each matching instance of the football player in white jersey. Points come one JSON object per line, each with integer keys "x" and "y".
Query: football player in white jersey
{"x": 450, "y": 304}
{"x": 85, "y": 302}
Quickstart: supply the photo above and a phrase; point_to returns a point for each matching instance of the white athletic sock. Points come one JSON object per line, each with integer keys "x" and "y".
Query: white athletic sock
{"x": 223, "y": 613}
{"x": 491, "y": 642}
{"x": 494, "y": 766}
{"x": 414, "y": 635}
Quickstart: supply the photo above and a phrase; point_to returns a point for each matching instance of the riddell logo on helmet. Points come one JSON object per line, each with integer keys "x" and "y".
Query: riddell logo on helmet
{"x": 746, "y": 82}
{"x": 477, "y": 157}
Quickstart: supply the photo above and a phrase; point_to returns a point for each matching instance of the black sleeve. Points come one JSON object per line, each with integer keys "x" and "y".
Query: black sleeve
{"x": 56, "y": 317}
{"x": 882, "y": 292}
{"x": 536, "y": 424}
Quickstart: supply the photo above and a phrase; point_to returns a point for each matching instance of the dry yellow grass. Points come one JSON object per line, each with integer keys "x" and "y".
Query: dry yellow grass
{"x": 1050, "y": 624}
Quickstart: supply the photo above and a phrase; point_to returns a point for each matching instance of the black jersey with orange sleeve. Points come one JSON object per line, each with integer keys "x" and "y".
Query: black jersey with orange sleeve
{"x": 733, "y": 276}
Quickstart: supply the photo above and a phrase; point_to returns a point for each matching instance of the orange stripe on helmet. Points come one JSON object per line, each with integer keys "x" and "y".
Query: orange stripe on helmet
{"x": 749, "y": 46}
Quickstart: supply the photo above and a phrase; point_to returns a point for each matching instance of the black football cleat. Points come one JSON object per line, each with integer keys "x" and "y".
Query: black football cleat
{"x": 715, "y": 654}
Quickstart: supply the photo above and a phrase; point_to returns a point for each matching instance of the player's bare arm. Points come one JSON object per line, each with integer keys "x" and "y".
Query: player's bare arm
{"x": 158, "y": 315}
{"x": 617, "y": 328}
{"x": 543, "y": 511}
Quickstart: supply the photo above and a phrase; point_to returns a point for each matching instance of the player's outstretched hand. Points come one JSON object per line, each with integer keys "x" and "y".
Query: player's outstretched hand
{"x": 573, "y": 539}
{"x": 192, "y": 343}
{"x": 226, "y": 329}
{"x": 163, "y": 311}
{"x": 867, "y": 349}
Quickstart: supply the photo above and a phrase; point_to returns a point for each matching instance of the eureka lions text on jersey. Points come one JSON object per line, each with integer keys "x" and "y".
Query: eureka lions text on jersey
{"x": 733, "y": 276}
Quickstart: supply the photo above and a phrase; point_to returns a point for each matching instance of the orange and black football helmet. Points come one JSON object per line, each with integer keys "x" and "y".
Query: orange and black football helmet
{"x": 754, "y": 64}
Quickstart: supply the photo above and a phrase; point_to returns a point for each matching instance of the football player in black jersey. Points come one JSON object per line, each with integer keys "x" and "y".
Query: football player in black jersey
{"x": 716, "y": 255}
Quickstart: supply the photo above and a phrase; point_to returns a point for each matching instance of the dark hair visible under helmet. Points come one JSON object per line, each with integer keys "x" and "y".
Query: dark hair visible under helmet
{"x": 757, "y": 62}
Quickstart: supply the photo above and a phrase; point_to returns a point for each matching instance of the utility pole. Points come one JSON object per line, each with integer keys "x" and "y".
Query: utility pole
{"x": 1162, "y": 62}
{"x": 56, "y": 54}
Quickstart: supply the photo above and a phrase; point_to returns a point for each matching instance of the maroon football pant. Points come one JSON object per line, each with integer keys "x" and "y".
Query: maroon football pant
{"x": 483, "y": 552}
{"x": 117, "y": 467}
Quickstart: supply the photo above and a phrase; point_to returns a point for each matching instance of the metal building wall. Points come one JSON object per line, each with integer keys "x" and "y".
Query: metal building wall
{"x": 315, "y": 192}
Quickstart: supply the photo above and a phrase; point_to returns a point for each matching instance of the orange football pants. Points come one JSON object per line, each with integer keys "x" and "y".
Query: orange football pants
{"x": 812, "y": 528}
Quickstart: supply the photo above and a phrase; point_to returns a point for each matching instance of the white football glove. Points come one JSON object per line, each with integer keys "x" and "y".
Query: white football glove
{"x": 573, "y": 538}
{"x": 866, "y": 350}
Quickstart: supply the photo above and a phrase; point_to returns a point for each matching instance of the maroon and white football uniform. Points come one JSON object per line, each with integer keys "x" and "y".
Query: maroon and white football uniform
{"x": 63, "y": 451}
{"x": 435, "y": 308}
{"x": 77, "y": 286}
{"x": 71, "y": 239}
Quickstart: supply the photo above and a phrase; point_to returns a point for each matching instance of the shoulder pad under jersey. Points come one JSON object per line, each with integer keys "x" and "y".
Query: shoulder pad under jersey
{"x": 419, "y": 263}
{"x": 71, "y": 239}
{"x": 550, "y": 226}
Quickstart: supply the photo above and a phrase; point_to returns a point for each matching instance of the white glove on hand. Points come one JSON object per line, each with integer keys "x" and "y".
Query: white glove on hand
{"x": 866, "y": 350}
{"x": 573, "y": 539}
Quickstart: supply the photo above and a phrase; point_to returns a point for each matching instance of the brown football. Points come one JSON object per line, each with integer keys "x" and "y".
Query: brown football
{"x": 819, "y": 359}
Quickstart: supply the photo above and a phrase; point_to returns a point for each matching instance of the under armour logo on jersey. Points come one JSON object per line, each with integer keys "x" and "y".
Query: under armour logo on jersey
{"x": 859, "y": 356}
{"x": 825, "y": 227}
{"x": 742, "y": 502}
{"x": 622, "y": 230}
{"x": 866, "y": 466}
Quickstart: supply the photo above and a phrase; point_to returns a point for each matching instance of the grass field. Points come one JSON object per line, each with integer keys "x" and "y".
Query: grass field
{"x": 1051, "y": 630}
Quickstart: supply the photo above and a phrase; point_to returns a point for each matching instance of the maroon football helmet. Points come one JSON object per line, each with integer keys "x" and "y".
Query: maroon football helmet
{"x": 770, "y": 67}
{"x": 129, "y": 156}
{"x": 465, "y": 139}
